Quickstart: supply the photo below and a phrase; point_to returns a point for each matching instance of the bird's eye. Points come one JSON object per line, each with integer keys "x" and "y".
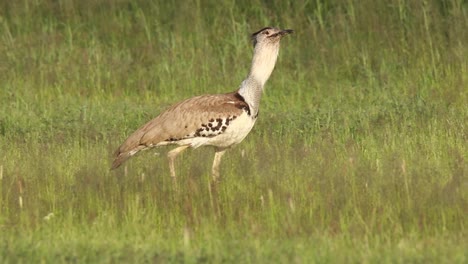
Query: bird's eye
{"x": 266, "y": 32}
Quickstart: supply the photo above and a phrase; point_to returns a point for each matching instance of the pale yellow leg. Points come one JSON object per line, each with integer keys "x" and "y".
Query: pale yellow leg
{"x": 171, "y": 155}
{"x": 217, "y": 160}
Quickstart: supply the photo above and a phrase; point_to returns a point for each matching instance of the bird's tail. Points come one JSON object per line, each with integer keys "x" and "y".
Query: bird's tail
{"x": 119, "y": 160}
{"x": 122, "y": 156}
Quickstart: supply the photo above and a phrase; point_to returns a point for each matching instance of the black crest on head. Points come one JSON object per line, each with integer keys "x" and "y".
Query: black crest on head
{"x": 254, "y": 35}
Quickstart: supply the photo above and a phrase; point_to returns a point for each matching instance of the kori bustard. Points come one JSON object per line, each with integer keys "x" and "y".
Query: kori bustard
{"x": 219, "y": 120}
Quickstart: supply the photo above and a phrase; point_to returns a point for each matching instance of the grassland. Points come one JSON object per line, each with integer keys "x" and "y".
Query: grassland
{"x": 359, "y": 154}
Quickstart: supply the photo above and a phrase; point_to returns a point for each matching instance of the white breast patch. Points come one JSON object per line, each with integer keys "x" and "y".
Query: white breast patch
{"x": 235, "y": 132}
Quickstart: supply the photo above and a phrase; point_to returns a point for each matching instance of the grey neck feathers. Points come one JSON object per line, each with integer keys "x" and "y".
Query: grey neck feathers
{"x": 263, "y": 63}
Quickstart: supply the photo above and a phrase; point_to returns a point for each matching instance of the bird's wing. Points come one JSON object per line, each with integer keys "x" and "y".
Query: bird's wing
{"x": 201, "y": 116}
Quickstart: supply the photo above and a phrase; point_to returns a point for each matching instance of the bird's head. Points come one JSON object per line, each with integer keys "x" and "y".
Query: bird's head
{"x": 269, "y": 35}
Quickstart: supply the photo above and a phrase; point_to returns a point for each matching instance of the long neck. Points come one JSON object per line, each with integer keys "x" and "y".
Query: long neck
{"x": 263, "y": 63}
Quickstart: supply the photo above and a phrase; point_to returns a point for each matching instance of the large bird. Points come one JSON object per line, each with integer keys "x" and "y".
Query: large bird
{"x": 219, "y": 120}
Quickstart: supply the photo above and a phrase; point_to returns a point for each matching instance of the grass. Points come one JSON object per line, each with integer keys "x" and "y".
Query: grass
{"x": 359, "y": 154}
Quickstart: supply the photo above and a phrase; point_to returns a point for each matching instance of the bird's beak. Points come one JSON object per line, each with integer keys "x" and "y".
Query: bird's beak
{"x": 282, "y": 33}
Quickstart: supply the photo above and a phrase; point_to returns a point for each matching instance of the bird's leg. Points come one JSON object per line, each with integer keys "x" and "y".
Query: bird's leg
{"x": 217, "y": 160}
{"x": 171, "y": 155}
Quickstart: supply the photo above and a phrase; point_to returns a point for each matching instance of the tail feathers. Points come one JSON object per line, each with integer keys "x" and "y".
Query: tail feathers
{"x": 121, "y": 157}
{"x": 119, "y": 160}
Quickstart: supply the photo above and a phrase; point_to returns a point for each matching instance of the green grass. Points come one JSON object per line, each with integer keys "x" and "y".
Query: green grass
{"x": 359, "y": 154}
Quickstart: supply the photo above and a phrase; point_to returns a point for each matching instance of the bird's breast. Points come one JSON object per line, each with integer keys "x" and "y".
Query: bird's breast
{"x": 234, "y": 132}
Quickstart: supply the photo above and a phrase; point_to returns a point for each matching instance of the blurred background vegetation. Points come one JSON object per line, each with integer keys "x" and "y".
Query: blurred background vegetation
{"x": 359, "y": 154}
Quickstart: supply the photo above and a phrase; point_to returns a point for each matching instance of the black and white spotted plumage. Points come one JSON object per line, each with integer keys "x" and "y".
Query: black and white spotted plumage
{"x": 219, "y": 120}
